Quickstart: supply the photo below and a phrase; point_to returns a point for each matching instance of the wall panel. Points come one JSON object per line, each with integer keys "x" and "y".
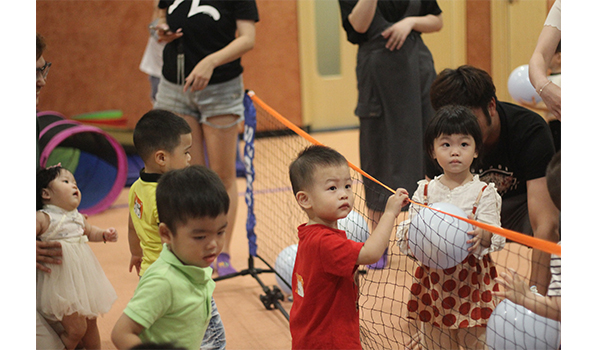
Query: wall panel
{"x": 96, "y": 46}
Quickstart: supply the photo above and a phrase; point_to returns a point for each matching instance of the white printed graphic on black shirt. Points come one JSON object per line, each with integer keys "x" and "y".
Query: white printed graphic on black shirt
{"x": 196, "y": 8}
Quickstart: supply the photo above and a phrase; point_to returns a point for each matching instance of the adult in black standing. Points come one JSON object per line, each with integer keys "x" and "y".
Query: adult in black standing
{"x": 202, "y": 82}
{"x": 394, "y": 71}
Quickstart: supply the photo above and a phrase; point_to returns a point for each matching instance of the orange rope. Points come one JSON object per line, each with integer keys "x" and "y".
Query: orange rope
{"x": 537, "y": 243}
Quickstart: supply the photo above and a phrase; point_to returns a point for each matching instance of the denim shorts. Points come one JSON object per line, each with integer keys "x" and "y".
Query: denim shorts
{"x": 217, "y": 99}
{"x": 214, "y": 338}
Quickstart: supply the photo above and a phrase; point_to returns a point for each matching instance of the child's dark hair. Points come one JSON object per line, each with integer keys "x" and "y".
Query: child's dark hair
{"x": 553, "y": 179}
{"x": 189, "y": 193}
{"x": 308, "y": 160}
{"x": 43, "y": 179}
{"x": 158, "y": 129}
{"x": 450, "y": 120}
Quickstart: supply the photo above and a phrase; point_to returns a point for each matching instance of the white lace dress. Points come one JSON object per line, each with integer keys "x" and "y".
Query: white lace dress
{"x": 79, "y": 283}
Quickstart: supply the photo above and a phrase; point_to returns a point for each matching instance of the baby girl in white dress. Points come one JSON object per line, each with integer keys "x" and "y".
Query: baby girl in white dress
{"x": 77, "y": 290}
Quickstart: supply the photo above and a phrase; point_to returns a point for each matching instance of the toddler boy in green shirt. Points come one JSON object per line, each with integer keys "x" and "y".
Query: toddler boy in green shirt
{"x": 172, "y": 302}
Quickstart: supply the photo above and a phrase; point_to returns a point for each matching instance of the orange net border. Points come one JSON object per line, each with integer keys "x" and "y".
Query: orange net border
{"x": 533, "y": 242}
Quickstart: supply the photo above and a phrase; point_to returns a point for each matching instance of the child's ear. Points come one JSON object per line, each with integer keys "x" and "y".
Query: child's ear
{"x": 165, "y": 233}
{"x": 160, "y": 157}
{"x": 45, "y": 194}
{"x": 303, "y": 200}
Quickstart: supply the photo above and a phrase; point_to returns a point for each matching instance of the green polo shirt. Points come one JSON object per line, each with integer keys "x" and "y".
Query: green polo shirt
{"x": 173, "y": 302}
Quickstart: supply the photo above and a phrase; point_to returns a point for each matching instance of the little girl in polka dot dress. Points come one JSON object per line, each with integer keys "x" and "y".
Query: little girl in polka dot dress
{"x": 453, "y": 305}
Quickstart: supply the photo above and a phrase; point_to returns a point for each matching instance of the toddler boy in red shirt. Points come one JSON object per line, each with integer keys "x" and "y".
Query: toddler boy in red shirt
{"x": 325, "y": 311}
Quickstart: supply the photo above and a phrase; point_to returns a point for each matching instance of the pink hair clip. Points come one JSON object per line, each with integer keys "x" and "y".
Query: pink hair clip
{"x": 54, "y": 166}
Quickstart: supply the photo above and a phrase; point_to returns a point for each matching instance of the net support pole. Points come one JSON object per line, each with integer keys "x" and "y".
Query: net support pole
{"x": 272, "y": 297}
{"x": 249, "y": 132}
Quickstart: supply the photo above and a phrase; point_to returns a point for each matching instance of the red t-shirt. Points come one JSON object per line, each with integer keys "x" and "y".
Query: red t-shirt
{"x": 324, "y": 314}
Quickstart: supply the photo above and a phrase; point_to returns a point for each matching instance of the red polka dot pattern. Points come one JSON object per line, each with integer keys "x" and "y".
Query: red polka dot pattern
{"x": 412, "y": 305}
{"x": 475, "y": 278}
{"x": 486, "y": 312}
{"x": 450, "y": 271}
{"x": 449, "y": 286}
{"x": 464, "y": 291}
{"x": 415, "y": 289}
{"x": 476, "y": 313}
{"x": 435, "y": 278}
{"x": 458, "y": 297}
{"x": 464, "y": 308}
{"x": 448, "y": 303}
{"x": 448, "y": 320}
{"x": 464, "y": 273}
{"x": 419, "y": 273}
{"x": 493, "y": 272}
{"x": 475, "y": 297}
{"x": 425, "y": 316}
{"x": 435, "y": 295}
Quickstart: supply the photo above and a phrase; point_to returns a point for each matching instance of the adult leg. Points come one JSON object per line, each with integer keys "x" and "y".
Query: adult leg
{"x": 372, "y": 141}
{"x": 75, "y": 327}
{"x": 197, "y": 150}
{"x": 154, "y": 81}
{"x": 170, "y": 97}
{"x": 221, "y": 146}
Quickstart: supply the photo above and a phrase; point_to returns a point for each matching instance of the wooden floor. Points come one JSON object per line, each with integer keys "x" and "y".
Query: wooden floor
{"x": 248, "y": 324}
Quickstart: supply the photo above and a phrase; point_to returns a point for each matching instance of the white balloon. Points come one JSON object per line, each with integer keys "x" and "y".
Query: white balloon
{"x": 519, "y": 85}
{"x": 438, "y": 240}
{"x": 284, "y": 266}
{"x": 512, "y": 326}
{"x": 356, "y": 227}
